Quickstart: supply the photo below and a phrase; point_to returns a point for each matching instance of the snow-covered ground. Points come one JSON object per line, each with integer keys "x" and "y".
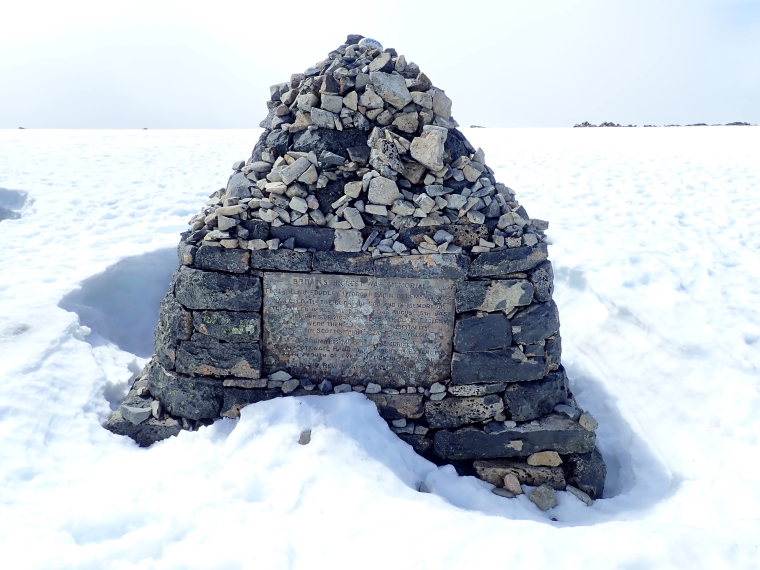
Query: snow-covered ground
{"x": 656, "y": 239}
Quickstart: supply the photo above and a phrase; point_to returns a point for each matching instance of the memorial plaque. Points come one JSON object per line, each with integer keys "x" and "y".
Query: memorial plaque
{"x": 352, "y": 328}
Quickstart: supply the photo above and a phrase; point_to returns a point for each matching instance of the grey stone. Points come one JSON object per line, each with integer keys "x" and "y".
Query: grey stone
{"x": 337, "y": 142}
{"x": 186, "y": 397}
{"x": 222, "y": 259}
{"x": 544, "y": 497}
{"x": 553, "y": 351}
{"x": 529, "y": 400}
{"x": 444, "y": 266}
{"x": 234, "y": 399}
{"x": 305, "y": 437}
{"x": 586, "y": 471}
{"x": 229, "y": 326}
{"x": 322, "y": 118}
{"x": 145, "y": 433}
{"x": 357, "y": 263}
{"x": 207, "y": 356}
{"x": 441, "y": 103}
{"x": 308, "y": 237}
{"x": 495, "y": 471}
{"x": 455, "y": 412}
{"x": 428, "y": 148}
{"x": 544, "y": 459}
{"x": 535, "y": 323}
{"x": 348, "y": 240}
{"x": 257, "y": 229}
{"x": 504, "y": 262}
{"x": 391, "y": 87}
{"x": 397, "y": 406}
{"x": 281, "y": 260}
{"x": 481, "y": 333}
{"x": 239, "y": 186}
{"x": 383, "y": 191}
{"x": 476, "y": 389}
{"x": 490, "y": 296}
{"x": 501, "y": 492}
{"x": 196, "y": 289}
{"x": 551, "y": 432}
{"x": 542, "y": 278}
{"x": 134, "y": 414}
{"x": 290, "y": 385}
{"x": 580, "y": 495}
{"x": 505, "y": 365}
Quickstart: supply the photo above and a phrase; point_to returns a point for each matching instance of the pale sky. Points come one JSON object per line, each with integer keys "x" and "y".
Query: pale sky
{"x": 508, "y": 63}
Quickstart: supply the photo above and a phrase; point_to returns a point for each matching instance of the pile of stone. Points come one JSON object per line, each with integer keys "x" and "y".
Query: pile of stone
{"x": 361, "y": 182}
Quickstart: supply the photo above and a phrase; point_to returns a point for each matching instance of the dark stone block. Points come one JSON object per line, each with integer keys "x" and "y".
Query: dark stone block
{"x": 586, "y": 471}
{"x": 307, "y": 237}
{"x": 490, "y": 296}
{"x": 397, "y": 406}
{"x": 186, "y": 252}
{"x": 506, "y": 261}
{"x": 146, "y": 433}
{"x": 454, "y": 412}
{"x": 330, "y": 140}
{"x": 530, "y": 400}
{"x": 327, "y": 195}
{"x": 456, "y": 145}
{"x": 222, "y": 259}
{"x": 257, "y": 229}
{"x": 197, "y": 289}
{"x": 237, "y": 398}
{"x": 277, "y": 142}
{"x": 535, "y": 323}
{"x": 174, "y": 324}
{"x": 505, "y": 365}
{"x": 344, "y": 262}
{"x": 238, "y": 186}
{"x": 185, "y": 397}
{"x": 207, "y": 356}
{"x": 542, "y": 278}
{"x": 480, "y": 333}
{"x": 555, "y": 432}
{"x": 437, "y": 265}
{"x": 229, "y": 326}
{"x": 281, "y": 260}
{"x": 494, "y": 470}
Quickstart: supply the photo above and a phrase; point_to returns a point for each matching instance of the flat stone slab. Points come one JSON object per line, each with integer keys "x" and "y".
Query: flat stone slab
{"x": 196, "y": 289}
{"x": 555, "y": 432}
{"x": 352, "y": 328}
{"x": 507, "y": 261}
{"x": 496, "y": 366}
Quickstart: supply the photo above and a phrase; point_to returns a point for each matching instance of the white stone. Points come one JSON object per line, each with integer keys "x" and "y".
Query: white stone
{"x": 298, "y": 205}
{"x": 353, "y": 217}
{"x": 428, "y": 148}
{"x": 383, "y": 191}
{"x": 348, "y": 240}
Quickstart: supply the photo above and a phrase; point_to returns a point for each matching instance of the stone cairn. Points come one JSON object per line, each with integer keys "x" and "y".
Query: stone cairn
{"x": 366, "y": 246}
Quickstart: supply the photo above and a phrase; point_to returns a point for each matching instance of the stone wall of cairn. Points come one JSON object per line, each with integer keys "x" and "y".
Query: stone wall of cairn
{"x": 361, "y": 170}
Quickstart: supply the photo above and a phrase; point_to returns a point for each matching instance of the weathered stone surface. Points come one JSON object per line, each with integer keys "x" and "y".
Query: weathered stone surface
{"x": 135, "y": 414}
{"x": 505, "y": 365}
{"x": 257, "y": 229}
{"x": 234, "y": 399}
{"x": 544, "y": 497}
{"x": 465, "y": 235}
{"x": 535, "y": 323}
{"x": 397, "y": 406}
{"x": 544, "y": 459}
{"x": 334, "y": 141}
{"x": 207, "y": 356}
{"x": 555, "y": 432}
{"x": 455, "y": 412}
{"x": 495, "y": 471}
{"x": 580, "y": 495}
{"x": 542, "y": 278}
{"x": 348, "y": 241}
{"x": 229, "y": 326}
{"x": 145, "y": 433}
{"x": 281, "y": 260}
{"x": 480, "y": 333}
{"x": 444, "y": 266}
{"x": 187, "y": 397}
{"x": 428, "y": 148}
{"x": 490, "y": 296}
{"x": 504, "y": 262}
{"x": 320, "y": 239}
{"x": 391, "y": 87}
{"x": 394, "y": 332}
{"x": 356, "y": 263}
{"x": 586, "y": 471}
{"x": 383, "y": 191}
{"x": 186, "y": 252}
{"x": 239, "y": 186}
{"x": 529, "y": 400}
{"x": 196, "y": 289}
{"x": 222, "y": 259}
{"x": 476, "y": 389}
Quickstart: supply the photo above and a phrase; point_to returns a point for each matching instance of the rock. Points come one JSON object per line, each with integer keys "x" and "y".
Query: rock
{"x": 290, "y": 173}
{"x": 239, "y": 186}
{"x": 323, "y": 119}
{"x": 332, "y": 103}
{"x": 503, "y": 493}
{"x": 491, "y": 296}
{"x": 397, "y": 406}
{"x": 481, "y": 333}
{"x": 221, "y": 259}
{"x": 134, "y": 414}
{"x": 476, "y": 389}
{"x": 353, "y": 217}
{"x": 308, "y": 237}
{"x": 544, "y": 497}
{"x": 550, "y": 432}
{"x": 455, "y": 412}
{"x": 507, "y": 261}
{"x": 526, "y": 401}
{"x": 348, "y": 240}
{"x": 512, "y": 484}
{"x": 196, "y": 289}
{"x": 281, "y": 260}
{"x": 587, "y": 421}
{"x": 391, "y": 87}
{"x": 354, "y": 263}
{"x": 535, "y": 323}
{"x": 542, "y": 278}
{"x": 544, "y": 459}
{"x": 586, "y": 471}
{"x": 207, "y": 356}
{"x": 187, "y": 397}
{"x": 229, "y": 326}
{"x": 305, "y": 437}
{"x": 441, "y": 103}
{"x": 504, "y": 365}
{"x": 445, "y": 266}
{"x": 428, "y": 148}
{"x": 496, "y": 472}
{"x": 290, "y": 385}
{"x": 580, "y": 495}
{"x": 145, "y": 433}
{"x": 383, "y": 191}
{"x": 407, "y": 122}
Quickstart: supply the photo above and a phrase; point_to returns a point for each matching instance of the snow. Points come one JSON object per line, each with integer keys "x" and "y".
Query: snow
{"x": 655, "y": 248}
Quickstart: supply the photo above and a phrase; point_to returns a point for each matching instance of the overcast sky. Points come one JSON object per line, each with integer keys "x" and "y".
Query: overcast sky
{"x": 504, "y": 63}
